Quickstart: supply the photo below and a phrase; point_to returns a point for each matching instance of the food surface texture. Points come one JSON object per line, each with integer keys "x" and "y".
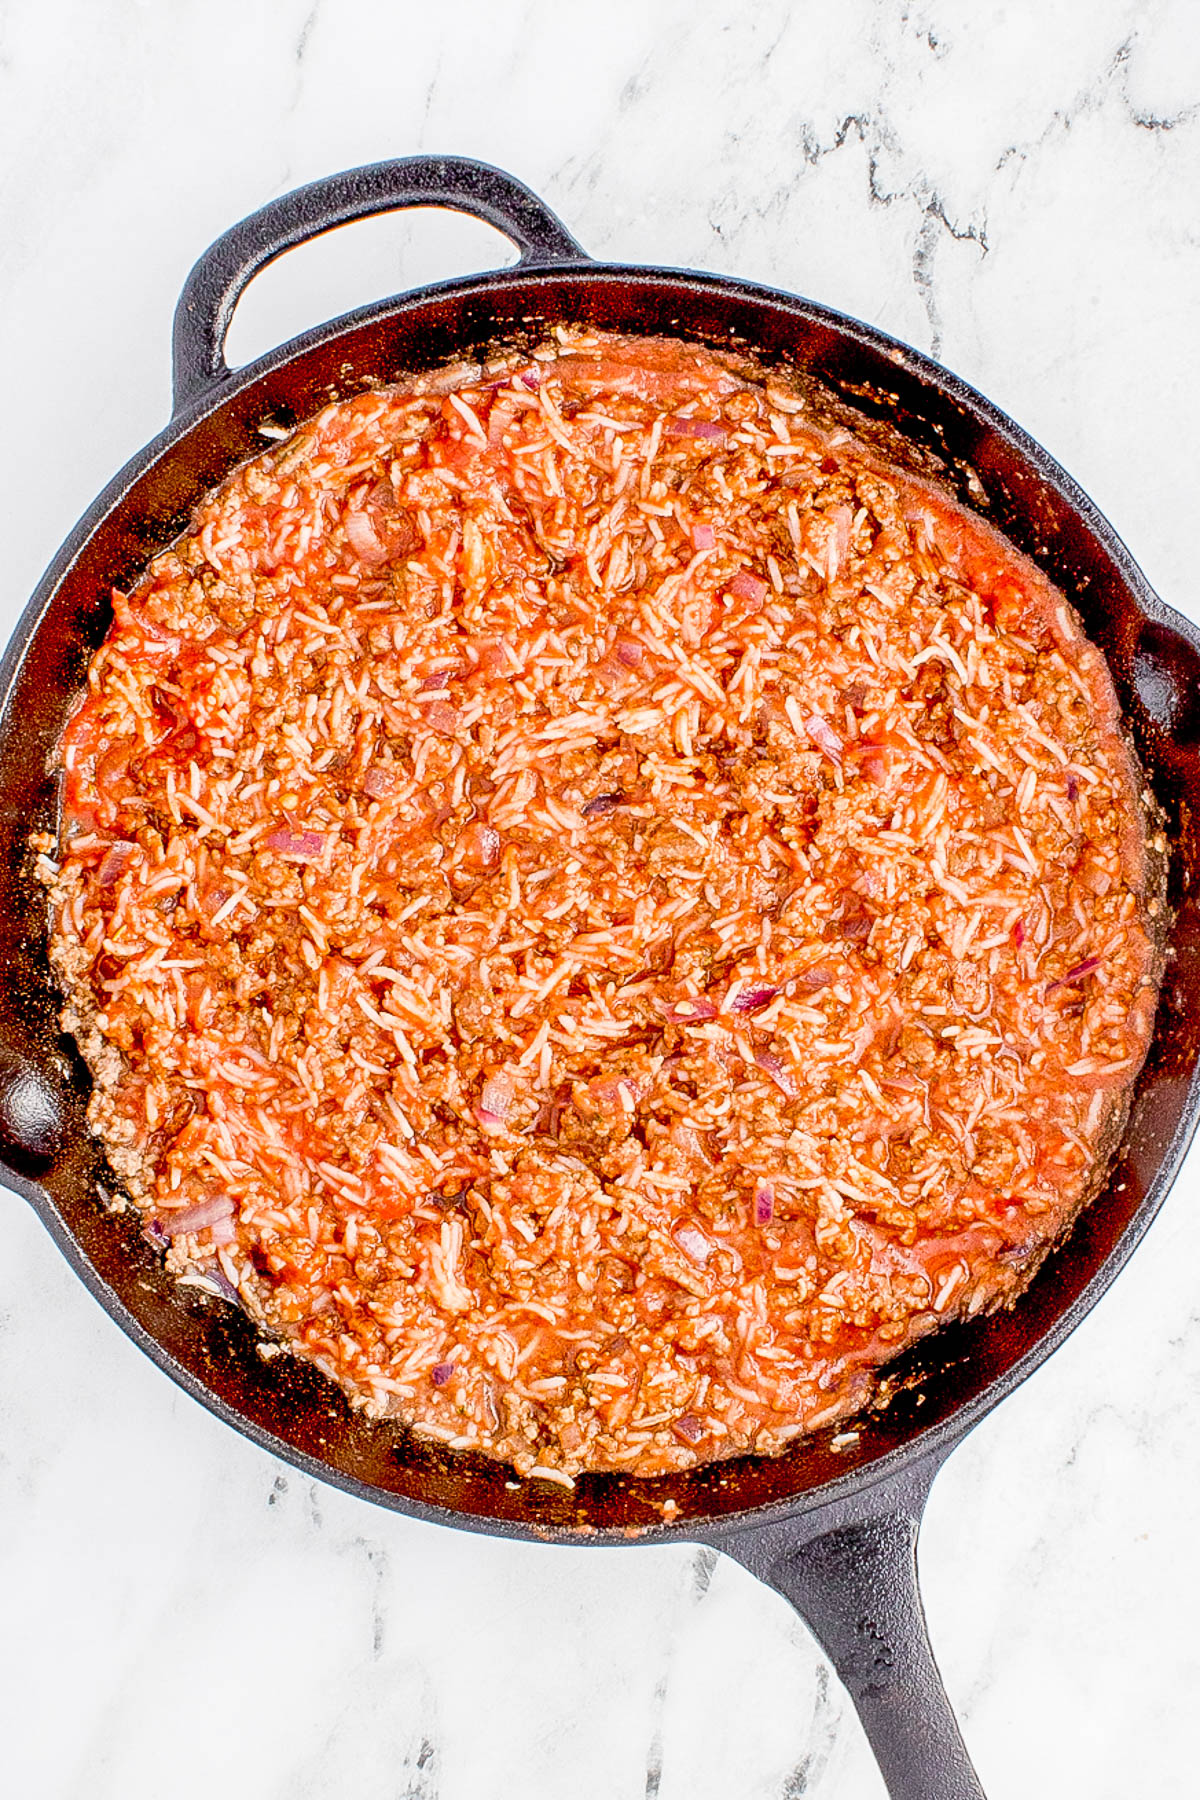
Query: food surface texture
{"x": 600, "y": 907}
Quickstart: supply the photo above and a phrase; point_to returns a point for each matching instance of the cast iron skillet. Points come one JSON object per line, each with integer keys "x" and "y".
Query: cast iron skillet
{"x": 836, "y": 1533}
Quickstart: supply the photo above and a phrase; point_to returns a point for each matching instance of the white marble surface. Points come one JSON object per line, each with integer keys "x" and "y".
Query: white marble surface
{"x": 1010, "y": 185}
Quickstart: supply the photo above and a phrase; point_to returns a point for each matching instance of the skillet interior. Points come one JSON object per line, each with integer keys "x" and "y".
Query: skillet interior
{"x": 947, "y": 1381}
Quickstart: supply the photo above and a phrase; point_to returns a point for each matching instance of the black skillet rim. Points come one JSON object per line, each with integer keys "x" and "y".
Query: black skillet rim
{"x": 924, "y": 1446}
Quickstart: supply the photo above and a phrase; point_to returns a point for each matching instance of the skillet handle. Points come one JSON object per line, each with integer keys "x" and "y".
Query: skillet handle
{"x": 212, "y": 289}
{"x": 851, "y": 1574}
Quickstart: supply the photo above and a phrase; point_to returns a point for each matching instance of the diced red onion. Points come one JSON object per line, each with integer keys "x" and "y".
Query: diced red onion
{"x": 441, "y": 717}
{"x": 305, "y": 845}
{"x": 213, "y": 899}
{"x": 441, "y": 1373}
{"x": 363, "y": 538}
{"x": 500, "y": 417}
{"x": 153, "y": 629}
{"x": 695, "y": 428}
{"x": 222, "y": 1232}
{"x": 112, "y": 769}
{"x": 872, "y": 760}
{"x": 693, "y": 1243}
{"x": 689, "y": 1428}
{"x": 495, "y": 1099}
{"x": 155, "y": 1235}
{"x": 439, "y": 679}
{"x": 839, "y": 540}
{"x": 380, "y": 781}
{"x": 746, "y": 586}
{"x": 1087, "y": 967}
{"x": 772, "y": 1065}
{"x": 221, "y": 1281}
{"x": 195, "y": 1218}
{"x": 764, "y": 1202}
{"x": 754, "y": 999}
{"x": 1019, "y": 933}
{"x": 906, "y": 1084}
{"x": 116, "y": 860}
{"x": 1096, "y": 878}
{"x": 493, "y": 656}
{"x": 1072, "y": 789}
{"x": 689, "y": 1012}
{"x": 169, "y": 710}
{"x": 824, "y": 736}
{"x": 603, "y": 803}
{"x": 481, "y": 844}
{"x": 703, "y": 537}
{"x": 532, "y": 378}
{"x": 629, "y": 652}
{"x": 615, "y": 1090}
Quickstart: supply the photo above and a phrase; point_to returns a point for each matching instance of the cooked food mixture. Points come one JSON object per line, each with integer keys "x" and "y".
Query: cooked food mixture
{"x": 600, "y": 907}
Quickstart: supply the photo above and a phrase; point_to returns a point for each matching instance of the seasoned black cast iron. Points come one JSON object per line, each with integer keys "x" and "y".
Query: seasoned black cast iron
{"x": 836, "y": 1533}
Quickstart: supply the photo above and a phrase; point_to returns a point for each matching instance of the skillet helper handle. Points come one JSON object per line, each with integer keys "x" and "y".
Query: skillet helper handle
{"x": 216, "y": 282}
{"x": 855, "y": 1584}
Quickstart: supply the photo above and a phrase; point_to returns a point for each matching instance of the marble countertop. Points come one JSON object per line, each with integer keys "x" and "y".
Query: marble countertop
{"x": 1009, "y": 186}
